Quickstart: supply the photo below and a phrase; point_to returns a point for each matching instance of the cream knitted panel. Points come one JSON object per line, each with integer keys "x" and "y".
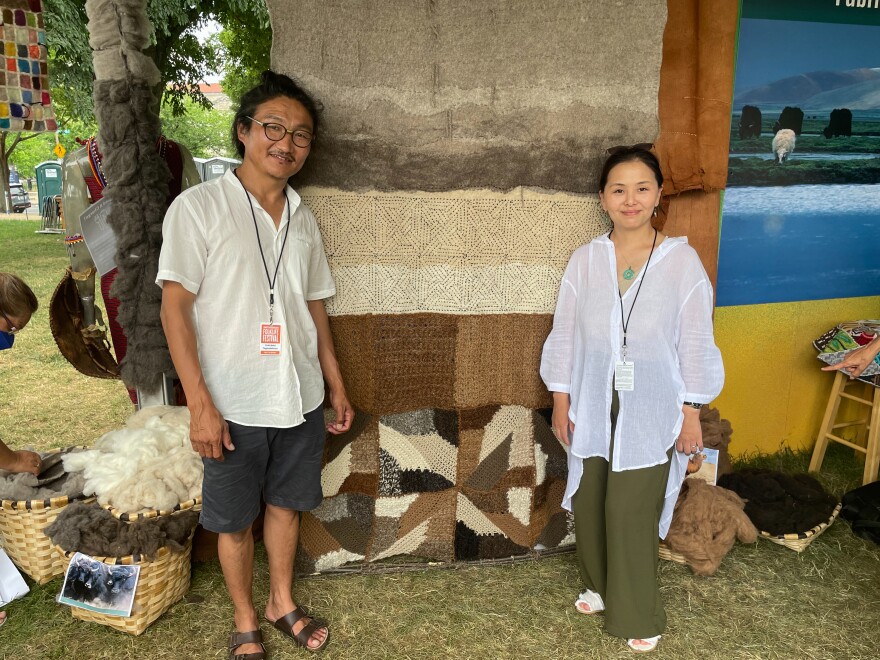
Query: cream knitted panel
{"x": 407, "y": 544}
{"x": 468, "y": 513}
{"x": 519, "y": 503}
{"x": 466, "y": 252}
{"x": 419, "y": 452}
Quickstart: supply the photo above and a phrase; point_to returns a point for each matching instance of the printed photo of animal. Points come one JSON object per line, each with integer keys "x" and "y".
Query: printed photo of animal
{"x": 96, "y": 585}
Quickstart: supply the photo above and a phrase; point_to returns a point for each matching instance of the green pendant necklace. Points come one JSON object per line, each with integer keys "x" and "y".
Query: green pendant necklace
{"x": 629, "y": 273}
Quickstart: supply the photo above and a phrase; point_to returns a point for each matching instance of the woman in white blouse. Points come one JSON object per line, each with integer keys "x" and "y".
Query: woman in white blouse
{"x": 630, "y": 360}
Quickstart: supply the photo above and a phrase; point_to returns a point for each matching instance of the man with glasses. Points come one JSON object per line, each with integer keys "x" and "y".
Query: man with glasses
{"x": 244, "y": 276}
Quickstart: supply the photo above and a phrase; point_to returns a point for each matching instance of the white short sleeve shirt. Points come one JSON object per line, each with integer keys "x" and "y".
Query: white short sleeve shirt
{"x": 210, "y": 247}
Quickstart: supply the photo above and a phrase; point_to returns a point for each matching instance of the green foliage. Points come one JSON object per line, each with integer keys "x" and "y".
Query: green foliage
{"x": 244, "y": 45}
{"x": 204, "y": 132}
{"x": 28, "y": 154}
{"x": 183, "y": 62}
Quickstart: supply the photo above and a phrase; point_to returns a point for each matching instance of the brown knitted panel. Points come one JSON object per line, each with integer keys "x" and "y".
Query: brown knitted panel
{"x": 497, "y": 359}
{"x": 401, "y": 362}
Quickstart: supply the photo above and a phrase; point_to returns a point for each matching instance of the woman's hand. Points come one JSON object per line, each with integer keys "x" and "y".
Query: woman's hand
{"x": 690, "y": 440}
{"x": 855, "y": 362}
{"x": 562, "y": 426}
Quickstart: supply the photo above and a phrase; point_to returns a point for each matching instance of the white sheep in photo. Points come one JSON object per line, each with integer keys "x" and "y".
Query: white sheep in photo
{"x": 783, "y": 144}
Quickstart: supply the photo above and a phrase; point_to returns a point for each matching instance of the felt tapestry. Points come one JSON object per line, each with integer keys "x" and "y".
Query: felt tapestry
{"x": 454, "y": 95}
{"x": 455, "y": 173}
{"x": 24, "y": 80}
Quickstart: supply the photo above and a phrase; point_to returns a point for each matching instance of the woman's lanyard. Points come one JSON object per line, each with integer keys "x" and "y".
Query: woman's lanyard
{"x": 270, "y": 280}
{"x": 624, "y": 371}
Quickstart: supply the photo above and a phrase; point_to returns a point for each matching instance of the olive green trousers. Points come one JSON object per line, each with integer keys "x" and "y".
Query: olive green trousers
{"x": 616, "y": 522}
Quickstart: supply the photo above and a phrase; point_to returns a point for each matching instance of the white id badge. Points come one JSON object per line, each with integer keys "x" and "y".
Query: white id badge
{"x": 624, "y": 373}
{"x": 270, "y": 338}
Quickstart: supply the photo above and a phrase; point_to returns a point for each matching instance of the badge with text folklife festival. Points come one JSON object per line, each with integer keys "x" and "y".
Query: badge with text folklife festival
{"x": 624, "y": 374}
{"x": 270, "y": 338}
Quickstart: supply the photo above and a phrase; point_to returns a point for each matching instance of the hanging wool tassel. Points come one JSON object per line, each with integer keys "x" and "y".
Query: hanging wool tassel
{"x": 126, "y": 110}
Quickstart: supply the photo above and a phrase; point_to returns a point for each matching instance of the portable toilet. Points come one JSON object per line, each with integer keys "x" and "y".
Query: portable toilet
{"x": 216, "y": 167}
{"x": 48, "y": 180}
{"x": 200, "y": 166}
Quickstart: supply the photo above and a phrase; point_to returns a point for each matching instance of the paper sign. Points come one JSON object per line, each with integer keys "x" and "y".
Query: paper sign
{"x": 99, "y": 236}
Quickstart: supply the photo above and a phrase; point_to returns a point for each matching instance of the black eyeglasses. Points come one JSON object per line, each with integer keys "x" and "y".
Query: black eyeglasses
{"x": 12, "y": 329}
{"x": 277, "y": 132}
{"x": 621, "y": 148}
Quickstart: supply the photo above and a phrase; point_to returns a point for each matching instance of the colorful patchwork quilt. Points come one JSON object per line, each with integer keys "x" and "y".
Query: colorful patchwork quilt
{"x": 24, "y": 81}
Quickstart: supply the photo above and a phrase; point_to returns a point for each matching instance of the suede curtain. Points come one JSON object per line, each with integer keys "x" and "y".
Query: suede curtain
{"x": 696, "y": 90}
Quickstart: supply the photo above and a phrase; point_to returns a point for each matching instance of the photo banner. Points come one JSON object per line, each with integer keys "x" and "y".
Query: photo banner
{"x": 801, "y": 215}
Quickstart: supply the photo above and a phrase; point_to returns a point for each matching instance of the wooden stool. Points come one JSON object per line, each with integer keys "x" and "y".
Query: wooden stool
{"x": 830, "y": 425}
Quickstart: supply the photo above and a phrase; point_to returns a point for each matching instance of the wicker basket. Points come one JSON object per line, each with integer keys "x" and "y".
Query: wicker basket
{"x": 669, "y": 554}
{"x": 163, "y": 581}
{"x": 21, "y": 525}
{"x": 799, "y": 542}
{"x": 145, "y": 514}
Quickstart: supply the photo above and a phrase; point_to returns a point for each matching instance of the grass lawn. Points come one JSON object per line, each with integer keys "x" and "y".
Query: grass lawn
{"x": 765, "y": 602}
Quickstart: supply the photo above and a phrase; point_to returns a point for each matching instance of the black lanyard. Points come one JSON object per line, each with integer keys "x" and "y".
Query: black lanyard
{"x": 625, "y": 323}
{"x": 274, "y": 277}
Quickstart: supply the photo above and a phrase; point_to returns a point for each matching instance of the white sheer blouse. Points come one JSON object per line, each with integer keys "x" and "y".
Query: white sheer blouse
{"x": 669, "y": 340}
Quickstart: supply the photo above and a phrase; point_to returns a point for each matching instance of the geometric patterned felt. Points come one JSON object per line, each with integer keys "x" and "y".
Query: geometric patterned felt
{"x": 439, "y": 484}
{"x": 351, "y": 460}
{"x": 335, "y": 533}
{"x": 25, "y": 104}
{"x": 418, "y": 452}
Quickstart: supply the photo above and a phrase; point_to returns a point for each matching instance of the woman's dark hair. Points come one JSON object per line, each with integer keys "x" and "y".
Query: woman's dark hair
{"x": 272, "y": 85}
{"x": 639, "y": 152}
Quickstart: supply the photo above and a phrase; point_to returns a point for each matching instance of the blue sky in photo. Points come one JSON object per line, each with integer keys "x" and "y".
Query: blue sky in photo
{"x": 770, "y": 50}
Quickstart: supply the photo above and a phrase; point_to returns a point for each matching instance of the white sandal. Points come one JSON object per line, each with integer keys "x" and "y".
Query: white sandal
{"x": 650, "y": 644}
{"x": 591, "y": 601}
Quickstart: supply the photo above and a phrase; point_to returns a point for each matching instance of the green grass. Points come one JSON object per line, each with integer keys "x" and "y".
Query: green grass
{"x": 44, "y": 401}
{"x": 758, "y": 172}
{"x": 765, "y": 601}
{"x": 807, "y": 144}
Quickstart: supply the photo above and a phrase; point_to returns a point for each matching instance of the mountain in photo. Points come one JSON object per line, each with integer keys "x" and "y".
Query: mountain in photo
{"x": 857, "y": 89}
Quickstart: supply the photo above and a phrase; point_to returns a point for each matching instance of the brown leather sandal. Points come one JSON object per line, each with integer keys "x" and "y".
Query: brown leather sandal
{"x": 236, "y": 639}
{"x": 285, "y": 625}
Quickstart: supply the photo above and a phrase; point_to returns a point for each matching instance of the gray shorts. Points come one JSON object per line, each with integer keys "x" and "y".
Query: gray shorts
{"x": 280, "y": 466}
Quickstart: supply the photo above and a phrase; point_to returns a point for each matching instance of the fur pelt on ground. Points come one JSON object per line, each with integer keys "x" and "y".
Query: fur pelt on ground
{"x": 707, "y": 522}
{"x": 716, "y": 435}
{"x": 53, "y": 481}
{"x": 781, "y": 503}
{"x": 89, "y": 529}
{"x": 150, "y": 464}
